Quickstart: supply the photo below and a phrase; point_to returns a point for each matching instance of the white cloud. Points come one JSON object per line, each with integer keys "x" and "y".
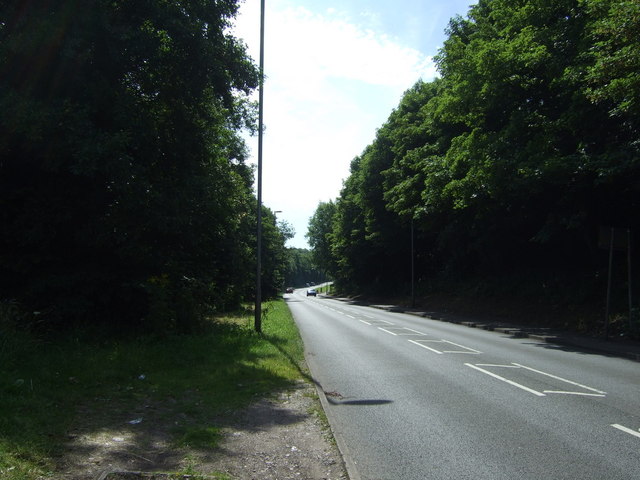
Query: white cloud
{"x": 330, "y": 84}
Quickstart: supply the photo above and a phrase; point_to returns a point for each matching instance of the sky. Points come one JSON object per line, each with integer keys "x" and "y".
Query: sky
{"x": 335, "y": 70}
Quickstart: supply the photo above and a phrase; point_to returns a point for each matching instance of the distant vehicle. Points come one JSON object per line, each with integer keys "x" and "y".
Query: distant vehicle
{"x": 311, "y": 292}
{"x": 289, "y": 290}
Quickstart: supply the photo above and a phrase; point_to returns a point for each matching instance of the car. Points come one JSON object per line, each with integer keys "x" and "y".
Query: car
{"x": 311, "y": 292}
{"x": 289, "y": 290}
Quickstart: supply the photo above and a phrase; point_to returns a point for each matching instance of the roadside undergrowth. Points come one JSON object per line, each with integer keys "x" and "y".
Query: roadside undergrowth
{"x": 51, "y": 388}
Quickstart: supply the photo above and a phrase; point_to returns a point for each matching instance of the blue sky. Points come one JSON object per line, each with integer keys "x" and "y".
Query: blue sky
{"x": 335, "y": 70}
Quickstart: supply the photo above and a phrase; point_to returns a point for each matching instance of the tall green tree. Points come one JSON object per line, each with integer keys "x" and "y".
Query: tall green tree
{"x": 301, "y": 268}
{"x": 122, "y": 178}
{"x": 274, "y": 252}
{"x": 512, "y": 159}
{"x": 319, "y": 235}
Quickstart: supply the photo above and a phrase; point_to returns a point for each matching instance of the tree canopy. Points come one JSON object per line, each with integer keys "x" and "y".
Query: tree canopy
{"x": 124, "y": 192}
{"x": 511, "y": 160}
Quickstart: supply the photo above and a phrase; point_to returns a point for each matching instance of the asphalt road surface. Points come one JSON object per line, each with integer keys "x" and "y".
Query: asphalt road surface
{"x": 413, "y": 399}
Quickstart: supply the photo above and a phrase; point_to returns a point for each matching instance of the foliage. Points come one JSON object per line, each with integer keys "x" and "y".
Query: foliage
{"x": 319, "y": 236}
{"x": 301, "y": 269}
{"x": 124, "y": 193}
{"x": 275, "y": 254}
{"x": 510, "y": 161}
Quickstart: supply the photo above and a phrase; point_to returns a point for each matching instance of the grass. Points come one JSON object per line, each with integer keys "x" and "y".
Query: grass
{"x": 198, "y": 376}
{"x": 326, "y": 288}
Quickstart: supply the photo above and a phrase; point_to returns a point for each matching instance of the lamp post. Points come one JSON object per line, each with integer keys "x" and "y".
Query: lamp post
{"x": 258, "y": 306}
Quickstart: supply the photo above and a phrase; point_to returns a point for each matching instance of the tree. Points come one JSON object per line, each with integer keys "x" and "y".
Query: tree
{"x": 614, "y": 74}
{"x": 122, "y": 178}
{"x": 512, "y": 159}
{"x": 319, "y": 236}
{"x": 301, "y": 268}
{"x": 274, "y": 255}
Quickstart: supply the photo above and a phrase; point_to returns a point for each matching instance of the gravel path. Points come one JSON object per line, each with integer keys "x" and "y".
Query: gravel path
{"x": 281, "y": 438}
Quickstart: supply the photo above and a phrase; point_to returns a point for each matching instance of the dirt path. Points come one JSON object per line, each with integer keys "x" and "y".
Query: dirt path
{"x": 282, "y": 438}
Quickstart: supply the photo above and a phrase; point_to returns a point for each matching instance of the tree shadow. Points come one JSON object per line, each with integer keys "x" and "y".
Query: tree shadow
{"x": 127, "y": 403}
{"x": 330, "y": 396}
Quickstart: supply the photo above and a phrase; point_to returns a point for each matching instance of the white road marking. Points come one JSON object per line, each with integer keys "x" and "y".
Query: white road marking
{"x": 626, "y": 430}
{"x": 506, "y": 380}
{"x": 351, "y": 316}
{"x": 575, "y": 393}
{"x": 415, "y": 331}
{"x": 384, "y": 321}
{"x": 562, "y": 379}
{"x": 471, "y": 350}
{"x": 598, "y": 393}
{"x": 424, "y": 346}
{"x": 385, "y": 330}
{"x": 466, "y": 351}
{"x": 363, "y": 321}
{"x": 402, "y": 331}
{"x": 495, "y": 365}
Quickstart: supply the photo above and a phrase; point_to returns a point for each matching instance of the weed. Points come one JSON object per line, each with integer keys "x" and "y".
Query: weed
{"x": 195, "y": 377}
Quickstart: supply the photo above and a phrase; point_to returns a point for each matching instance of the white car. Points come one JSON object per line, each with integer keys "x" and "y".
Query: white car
{"x": 312, "y": 292}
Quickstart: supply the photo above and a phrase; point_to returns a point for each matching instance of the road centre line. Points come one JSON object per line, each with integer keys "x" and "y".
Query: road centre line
{"x": 561, "y": 379}
{"x": 626, "y": 430}
{"x": 598, "y": 393}
{"x": 400, "y": 329}
{"x": 384, "y": 321}
{"x": 583, "y": 394}
{"x": 424, "y": 346}
{"x": 364, "y": 321}
{"x": 385, "y": 330}
{"x": 495, "y": 365}
{"x": 415, "y": 331}
{"x": 472, "y": 350}
{"x": 466, "y": 350}
{"x": 506, "y": 380}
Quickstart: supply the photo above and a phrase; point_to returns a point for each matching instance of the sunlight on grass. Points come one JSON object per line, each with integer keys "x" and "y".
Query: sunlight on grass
{"x": 193, "y": 377}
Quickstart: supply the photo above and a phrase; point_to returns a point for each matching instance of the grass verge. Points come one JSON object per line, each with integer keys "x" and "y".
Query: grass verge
{"x": 104, "y": 382}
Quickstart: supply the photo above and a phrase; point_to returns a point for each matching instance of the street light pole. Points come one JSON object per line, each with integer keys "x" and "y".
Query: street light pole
{"x": 258, "y": 306}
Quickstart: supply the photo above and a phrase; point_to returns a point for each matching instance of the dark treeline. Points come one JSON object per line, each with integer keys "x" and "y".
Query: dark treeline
{"x": 301, "y": 268}
{"x": 124, "y": 192}
{"x": 507, "y": 165}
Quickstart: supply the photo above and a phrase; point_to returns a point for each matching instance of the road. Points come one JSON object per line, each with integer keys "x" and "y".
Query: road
{"x": 413, "y": 399}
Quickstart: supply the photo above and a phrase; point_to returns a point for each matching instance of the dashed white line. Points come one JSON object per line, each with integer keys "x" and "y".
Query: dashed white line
{"x": 506, "y": 380}
{"x": 465, "y": 351}
{"x": 495, "y": 365}
{"x": 415, "y": 331}
{"x": 388, "y": 331}
{"x": 471, "y": 350}
{"x": 584, "y": 394}
{"x": 562, "y": 379}
{"x": 403, "y": 331}
{"x": 425, "y": 347}
{"x": 626, "y": 430}
{"x": 384, "y": 321}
